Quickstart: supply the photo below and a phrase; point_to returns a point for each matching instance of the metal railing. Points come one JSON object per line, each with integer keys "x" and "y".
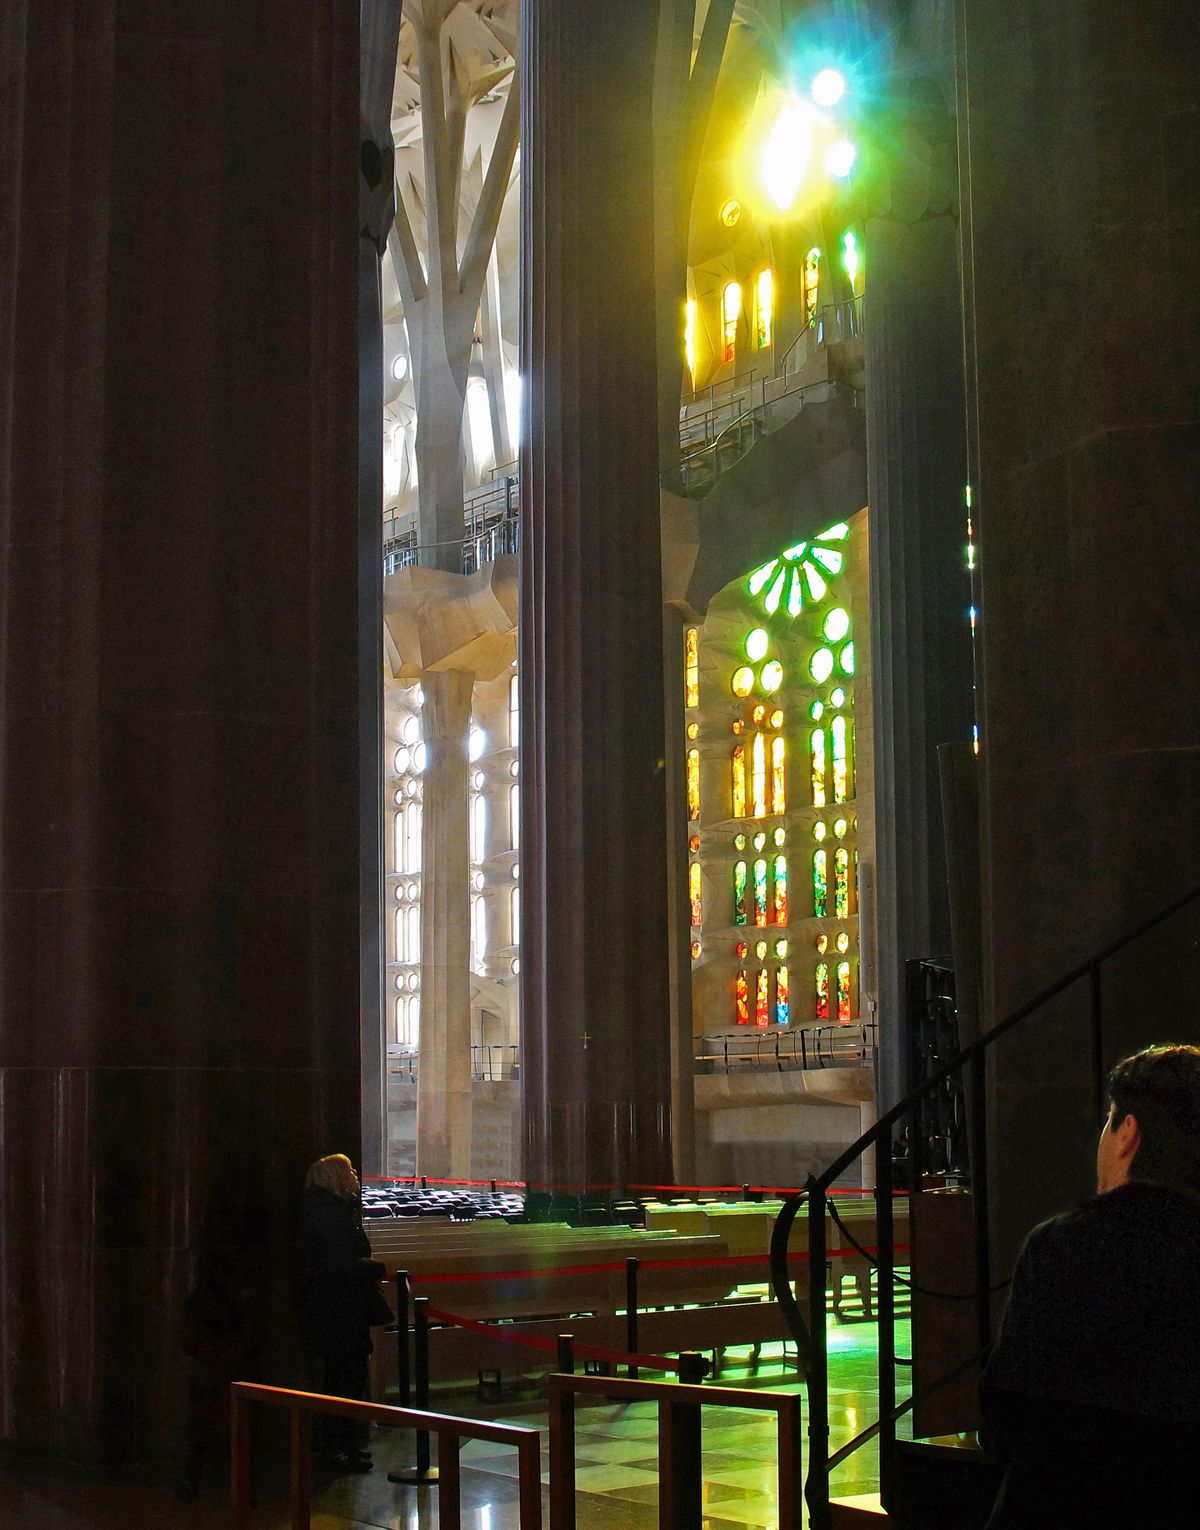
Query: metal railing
{"x": 705, "y": 463}
{"x": 811, "y": 1336}
{"x": 491, "y": 1062}
{"x": 832, "y": 323}
{"x": 449, "y": 1430}
{"x": 786, "y": 1048}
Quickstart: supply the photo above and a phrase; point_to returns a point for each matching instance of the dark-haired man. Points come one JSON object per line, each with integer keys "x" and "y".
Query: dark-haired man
{"x": 1092, "y": 1394}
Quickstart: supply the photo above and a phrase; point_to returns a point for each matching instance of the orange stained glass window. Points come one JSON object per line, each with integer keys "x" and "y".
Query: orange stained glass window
{"x": 781, "y": 891}
{"x": 737, "y": 765}
{"x": 693, "y": 783}
{"x": 782, "y": 1007}
{"x": 758, "y": 777}
{"x": 817, "y": 755}
{"x": 841, "y": 884}
{"x": 741, "y": 992}
{"x": 821, "y": 982}
{"x": 843, "y": 992}
{"x": 694, "y": 892}
{"x": 691, "y": 667}
{"x": 778, "y": 776}
{"x": 840, "y": 738}
{"x": 764, "y": 303}
{"x": 762, "y": 997}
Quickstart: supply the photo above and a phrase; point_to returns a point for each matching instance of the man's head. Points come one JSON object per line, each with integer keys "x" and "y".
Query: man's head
{"x": 1153, "y": 1126}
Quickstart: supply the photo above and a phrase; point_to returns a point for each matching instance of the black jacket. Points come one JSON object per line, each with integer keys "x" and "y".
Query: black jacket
{"x": 339, "y": 1291}
{"x": 1092, "y": 1394}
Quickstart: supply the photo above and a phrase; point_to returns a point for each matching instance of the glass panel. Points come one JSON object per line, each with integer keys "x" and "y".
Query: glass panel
{"x": 841, "y": 884}
{"x": 691, "y": 667}
{"x": 514, "y": 817}
{"x": 760, "y": 892}
{"x": 398, "y": 842}
{"x": 764, "y": 296}
{"x": 762, "y": 994}
{"x": 843, "y": 992}
{"x": 738, "y": 785}
{"x": 820, "y": 884}
{"x": 821, "y": 982}
{"x": 739, "y": 892}
{"x": 514, "y": 911}
{"x": 781, "y": 997}
{"x": 412, "y": 837}
{"x": 817, "y": 754}
{"x": 758, "y": 777}
{"x": 694, "y": 892}
{"x": 412, "y": 934}
{"x": 731, "y": 307}
{"x": 741, "y": 990}
{"x": 514, "y": 712}
{"x": 781, "y": 892}
{"x": 778, "y": 775}
{"x": 693, "y": 783}
{"x": 478, "y": 826}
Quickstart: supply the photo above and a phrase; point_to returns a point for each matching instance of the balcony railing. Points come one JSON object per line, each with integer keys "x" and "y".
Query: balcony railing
{"x": 784, "y": 1049}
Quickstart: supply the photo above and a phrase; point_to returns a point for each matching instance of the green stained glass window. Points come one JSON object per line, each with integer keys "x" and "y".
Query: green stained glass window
{"x": 821, "y": 984}
{"x": 781, "y": 893}
{"x": 820, "y": 666}
{"x": 847, "y": 659}
{"x": 800, "y": 572}
{"x": 739, "y": 892}
{"x": 841, "y": 884}
{"x": 836, "y": 624}
{"x": 817, "y": 711}
{"x": 820, "y": 884}
{"x": 757, "y": 644}
{"x": 760, "y": 892}
{"x": 843, "y": 992}
{"x": 781, "y": 996}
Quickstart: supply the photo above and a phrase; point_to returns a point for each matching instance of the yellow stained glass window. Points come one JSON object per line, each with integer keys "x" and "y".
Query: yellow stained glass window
{"x": 817, "y": 755}
{"x": 731, "y": 307}
{"x": 691, "y": 667}
{"x": 841, "y": 884}
{"x": 693, "y": 783}
{"x": 741, "y": 990}
{"x": 758, "y": 777}
{"x": 764, "y": 303}
{"x": 778, "y": 775}
{"x": 689, "y": 338}
{"x": 694, "y": 893}
{"x": 762, "y": 994}
{"x": 839, "y": 733}
{"x": 738, "y": 783}
{"x": 843, "y": 993}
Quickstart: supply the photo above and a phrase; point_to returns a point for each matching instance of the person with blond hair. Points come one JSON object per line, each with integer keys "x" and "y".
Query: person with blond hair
{"x": 340, "y": 1296}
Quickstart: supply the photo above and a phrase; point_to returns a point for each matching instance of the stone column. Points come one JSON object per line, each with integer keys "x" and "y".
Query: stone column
{"x": 179, "y": 588}
{"x": 596, "y": 1042}
{"x": 444, "y": 1068}
{"x": 920, "y": 635}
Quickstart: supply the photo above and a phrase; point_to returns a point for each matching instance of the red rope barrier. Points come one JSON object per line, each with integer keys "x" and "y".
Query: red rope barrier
{"x": 469, "y": 1277}
{"x": 532, "y": 1341}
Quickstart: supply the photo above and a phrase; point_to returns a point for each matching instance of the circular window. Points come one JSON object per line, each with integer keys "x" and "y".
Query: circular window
{"x": 757, "y": 644}
{"x": 772, "y": 676}
{"x": 839, "y": 829}
{"x": 731, "y": 211}
{"x": 760, "y": 950}
{"x": 694, "y": 843}
{"x": 837, "y": 697}
{"x": 743, "y": 681}
{"x": 411, "y": 730}
{"x": 476, "y": 743}
{"x": 400, "y": 761}
{"x": 696, "y": 949}
{"x": 515, "y": 965}
{"x": 758, "y": 716}
{"x": 817, "y": 711}
{"x": 740, "y": 949}
{"x": 760, "y": 840}
{"x": 781, "y": 948}
{"x": 822, "y": 944}
{"x": 848, "y": 659}
{"x": 836, "y": 624}
{"x": 779, "y": 836}
{"x": 693, "y": 730}
{"x": 777, "y": 718}
{"x": 820, "y": 666}
{"x": 514, "y": 769}
{"x": 516, "y": 871}
{"x": 420, "y": 758}
{"x": 843, "y": 942}
{"x": 739, "y": 842}
{"x": 819, "y": 831}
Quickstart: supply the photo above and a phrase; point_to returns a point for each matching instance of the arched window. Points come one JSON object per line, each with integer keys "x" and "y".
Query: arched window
{"x": 693, "y": 783}
{"x": 782, "y": 1007}
{"x": 514, "y": 816}
{"x": 820, "y": 884}
{"x": 843, "y": 993}
{"x": 758, "y": 777}
{"x": 839, "y": 732}
{"x": 691, "y": 667}
{"x": 738, "y": 782}
{"x": 412, "y": 933}
{"x": 811, "y": 282}
{"x": 695, "y": 893}
{"x": 778, "y": 779}
{"x": 821, "y": 983}
{"x": 412, "y": 838}
{"x": 412, "y": 1020}
{"x": 478, "y": 932}
{"x": 817, "y": 753}
{"x": 760, "y": 892}
{"x": 689, "y": 339}
{"x": 762, "y": 992}
{"x": 731, "y": 308}
{"x": 398, "y": 841}
{"x": 398, "y": 936}
{"x": 514, "y": 711}
{"x": 841, "y": 883}
{"x": 781, "y": 892}
{"x": 514, "y": 916}
{"x": 739, "y": 892}
{"x": 764, "y": 305}
{"x": 478, "y": 826}
{"x": 741, "y": 991}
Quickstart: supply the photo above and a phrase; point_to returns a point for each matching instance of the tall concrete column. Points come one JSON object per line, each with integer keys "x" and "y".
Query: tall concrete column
{"x": 596, "y": 1038}
{"x": 444, "y": 1070}
{"x": 920, "y": 635}
{"x": 179, "y": 744}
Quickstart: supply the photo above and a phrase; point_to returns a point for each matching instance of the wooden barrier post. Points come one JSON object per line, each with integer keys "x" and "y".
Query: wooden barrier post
{"x": 300, "y": 1485}
{"x": 562, "y": 1442}
{"x": 789, "y": 1464}
{"x": 449, "y": 1502}
{"x": 680, "y": 1491}
{"x": 402, "y": 1340}
{"x": 631, "y": 1313}
{"x": 239, "y": 1461}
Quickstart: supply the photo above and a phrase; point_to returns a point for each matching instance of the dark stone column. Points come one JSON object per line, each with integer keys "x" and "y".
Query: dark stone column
{"x": 1088, "y": 461}
{"x": 179, "y": 975}
{"x": 596, "y": 1044}
{"x": 920, "y": 636}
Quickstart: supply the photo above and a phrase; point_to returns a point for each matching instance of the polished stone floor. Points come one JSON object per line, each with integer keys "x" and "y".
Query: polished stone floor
{"x": 616, "y": 1479}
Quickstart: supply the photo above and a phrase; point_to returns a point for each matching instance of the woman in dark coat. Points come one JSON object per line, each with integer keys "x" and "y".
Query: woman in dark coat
{"x": 340, "y": 1296}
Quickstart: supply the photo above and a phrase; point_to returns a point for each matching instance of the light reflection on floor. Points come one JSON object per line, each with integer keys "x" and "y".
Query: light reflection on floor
{"x": 616, "y": 1471}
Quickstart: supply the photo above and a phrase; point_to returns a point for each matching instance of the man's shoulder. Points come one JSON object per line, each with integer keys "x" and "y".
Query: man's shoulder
{"x": 1139, "y": 1215}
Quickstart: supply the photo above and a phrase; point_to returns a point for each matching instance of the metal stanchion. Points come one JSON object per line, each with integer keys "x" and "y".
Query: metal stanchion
{"x": 423, "y": 1471}
{"x": 631, "y": 1313}
{"x": 402, "y": 1340}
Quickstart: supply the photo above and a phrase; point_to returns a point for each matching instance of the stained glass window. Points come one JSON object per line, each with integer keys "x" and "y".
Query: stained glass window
{"x": 839, "y": 735}
{"x": 781, "y": 892}
{"x": 820, "y": 884}
{"x": 738, "y": 785}
{"x": 757, "y": 643}
{"x": 778, "y": 777}
{"x": 781, "y": 996}
{"x": 847, "y": 659}
{"x": 762, "y": 996}
{"x": 739, "y": 892}
{"x": 820, "y": 666}
{"x": 731, "y": 307}
{"x": 811, "y": 283}
{"x": 841, "y": 884}
{"x": 758, "y": 777}
{"x": 760, "y": 892}
{"x": 772, "y": 676}
{"x": 514, "y": 711}
{"x": 743, "y": 681}
{"x": 741, "y": 990}
{"x": 514, "y": 816}
{"x": 843, "y": 992}
{"x": 821, "y": 981}
{"x": 816, "y": 749}
{"x": 693, "y": 783}
{"x": 764, "y": 301}
{"x": 694, "y": 892}
{"x": 697, "y": 948}
{"x": 691, "y": 667}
